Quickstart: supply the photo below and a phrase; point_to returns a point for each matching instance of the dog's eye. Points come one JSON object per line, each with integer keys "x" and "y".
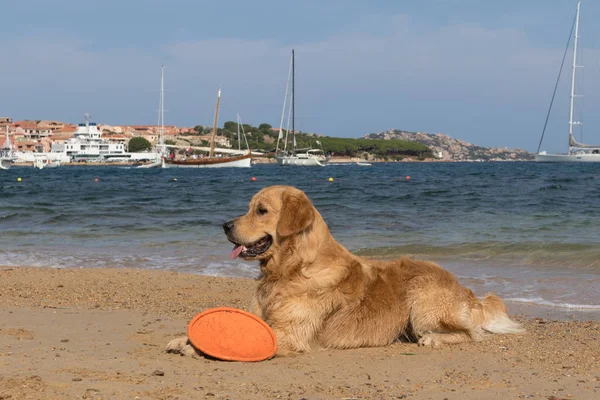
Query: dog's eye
{"x": 261, "y": 211}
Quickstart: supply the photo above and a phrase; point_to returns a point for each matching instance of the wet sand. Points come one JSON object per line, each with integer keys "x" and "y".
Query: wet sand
{"x": 101, "y": 333}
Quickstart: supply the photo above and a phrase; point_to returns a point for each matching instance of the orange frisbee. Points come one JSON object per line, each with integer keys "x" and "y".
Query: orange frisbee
{"x": 232, "y": 334}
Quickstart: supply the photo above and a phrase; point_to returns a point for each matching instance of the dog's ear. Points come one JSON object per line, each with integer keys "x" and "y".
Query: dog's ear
{"x": 297, "y": 213}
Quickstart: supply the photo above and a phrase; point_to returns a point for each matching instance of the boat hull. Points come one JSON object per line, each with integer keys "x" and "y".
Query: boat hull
{"x": 225, "y": 162}
{"x": 157, "y": 164}
{"x": 302, "y": 162}
{"x": 5, "y": 164}
{"x": 555, "y": 158}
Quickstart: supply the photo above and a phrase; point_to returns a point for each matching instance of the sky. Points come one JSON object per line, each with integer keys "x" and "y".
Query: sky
{"x": 477, "y": 70}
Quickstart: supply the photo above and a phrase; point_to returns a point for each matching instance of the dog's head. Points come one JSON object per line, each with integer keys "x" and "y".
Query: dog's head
{"x": 274, "y": 214}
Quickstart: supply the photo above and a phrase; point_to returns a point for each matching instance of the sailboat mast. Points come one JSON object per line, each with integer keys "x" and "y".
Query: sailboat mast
{"x": 214, "y": 133}
{"x": 237, "y": 116}
{"x": 575, "y": 66}
{"x": 280, "y": 136}
{"x": 161, "y": 137}
{"x": 293, "y": 103}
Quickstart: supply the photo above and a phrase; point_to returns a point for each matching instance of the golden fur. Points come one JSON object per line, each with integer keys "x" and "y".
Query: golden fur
{"x": 314, "y": 292}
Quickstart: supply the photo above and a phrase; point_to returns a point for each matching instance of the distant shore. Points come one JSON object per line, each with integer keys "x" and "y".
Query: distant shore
{"x": 100, "y": 334}
{"x": 265, "y": 160}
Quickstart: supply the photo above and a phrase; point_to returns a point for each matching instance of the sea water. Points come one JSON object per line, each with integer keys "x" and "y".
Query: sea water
{"x": 529, "y": 232}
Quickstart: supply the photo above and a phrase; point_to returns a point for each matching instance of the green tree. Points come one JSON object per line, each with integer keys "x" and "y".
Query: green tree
{"x": 139, "y": 144}
{"x": 264, "y": 127}
{"x": 230, "y": 126}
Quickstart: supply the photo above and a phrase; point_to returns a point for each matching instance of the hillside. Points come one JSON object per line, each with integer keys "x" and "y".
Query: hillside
{"x": 449, "y": 149}
{"x": 264, "y": 139}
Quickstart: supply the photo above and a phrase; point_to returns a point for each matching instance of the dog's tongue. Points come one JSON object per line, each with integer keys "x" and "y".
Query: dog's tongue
{"x": 236, "y": 251}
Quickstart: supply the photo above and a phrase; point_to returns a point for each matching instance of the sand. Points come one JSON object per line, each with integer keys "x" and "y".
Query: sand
{"x": 101, "y": 333}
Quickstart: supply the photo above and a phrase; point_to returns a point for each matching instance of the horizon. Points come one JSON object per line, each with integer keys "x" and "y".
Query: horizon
{"x": 475, "y": 71}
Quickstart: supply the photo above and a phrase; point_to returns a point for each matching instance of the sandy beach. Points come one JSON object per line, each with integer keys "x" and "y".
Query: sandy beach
{"x": 101, "y": 333}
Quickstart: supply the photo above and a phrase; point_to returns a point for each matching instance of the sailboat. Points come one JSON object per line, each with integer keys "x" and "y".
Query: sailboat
{"x": 212, "y": 161}
{"x": 578, "y": 152}
{"x": 160, "y": 141}
{"x": 296, "y": 157}
{"x": 7, "y": 157}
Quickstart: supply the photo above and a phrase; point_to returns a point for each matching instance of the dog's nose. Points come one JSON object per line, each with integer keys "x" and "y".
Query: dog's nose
{"x": 228, "y": 226}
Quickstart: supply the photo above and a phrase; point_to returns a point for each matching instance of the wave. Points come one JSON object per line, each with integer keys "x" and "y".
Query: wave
{"x": 9, "y": 216}
{"x": 541, "y": 302}
{"x": 532, "y": 253}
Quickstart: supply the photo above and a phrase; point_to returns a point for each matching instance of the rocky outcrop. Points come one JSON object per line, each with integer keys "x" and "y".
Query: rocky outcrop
{"x": 446, "y": 148}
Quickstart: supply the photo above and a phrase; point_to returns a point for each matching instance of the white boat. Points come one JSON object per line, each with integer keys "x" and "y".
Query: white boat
{"x": 88, "y": 145}
{"x": 155, "y": 164}
{"x": 7, "y": 157}
{"x": 363, "y": 162}
{"x": 296, "y": 157}
{"x": 212, "y": 161}
{"x": 44, "y": 162}
{"x": 304, "y": 158}
{"x": 578, "y": 152}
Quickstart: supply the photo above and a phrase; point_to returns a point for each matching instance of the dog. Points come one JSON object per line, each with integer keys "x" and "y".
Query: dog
{"x": 314, "y": 293}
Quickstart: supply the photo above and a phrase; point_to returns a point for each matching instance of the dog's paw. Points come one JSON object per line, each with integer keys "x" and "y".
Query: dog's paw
{"x": 290, "y": 351}
{"x": 175, "y": 345}
{"x": 430, "y": 340}
{"x": 182, "y": 346}
{"x": 287, "y": 353}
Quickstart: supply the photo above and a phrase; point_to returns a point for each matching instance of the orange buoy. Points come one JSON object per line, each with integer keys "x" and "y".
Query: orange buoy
{"x": 253, "y": 178}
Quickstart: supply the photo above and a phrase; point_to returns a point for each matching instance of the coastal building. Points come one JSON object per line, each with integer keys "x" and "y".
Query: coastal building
{"x": 28, "y": 137}
{"x": 5, "y": 121}
{"x": 53, "y": 126}
{"x": 108, "y": 129}
{"x": 30, "y": 146}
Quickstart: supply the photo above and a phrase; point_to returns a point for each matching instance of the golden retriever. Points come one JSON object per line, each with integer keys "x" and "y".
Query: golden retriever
{"x": 314, "y": 293}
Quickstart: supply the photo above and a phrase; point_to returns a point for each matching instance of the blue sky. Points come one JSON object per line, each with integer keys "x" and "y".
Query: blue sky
{"x": 480, "y": 71}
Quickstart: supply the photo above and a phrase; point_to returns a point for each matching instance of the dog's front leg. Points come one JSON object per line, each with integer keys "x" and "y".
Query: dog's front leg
{"x": 257, "y": 309}
{"x": 291, "y": 341}
{"x": 295, "y": 330}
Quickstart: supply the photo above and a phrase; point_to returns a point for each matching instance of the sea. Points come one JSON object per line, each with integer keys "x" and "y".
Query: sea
{"x": 529, "y": 232}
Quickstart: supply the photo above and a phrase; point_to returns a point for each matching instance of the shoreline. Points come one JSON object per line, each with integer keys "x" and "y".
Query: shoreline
{"x": 264, "y": 160}
{"x": 100, "y": 333}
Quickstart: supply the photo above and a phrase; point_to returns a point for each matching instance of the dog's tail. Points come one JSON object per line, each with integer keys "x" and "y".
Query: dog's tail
{"x": 495, "y": 319}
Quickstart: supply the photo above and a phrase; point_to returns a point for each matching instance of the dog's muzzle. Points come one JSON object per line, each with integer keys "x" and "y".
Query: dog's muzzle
{"x": 246, "y": 250}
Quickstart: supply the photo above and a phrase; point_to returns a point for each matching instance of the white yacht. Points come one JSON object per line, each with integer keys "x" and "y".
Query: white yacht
{"x": 7, "y": 157}
{"x": 304, "y": 158}
{"x": 87, "y": 144}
